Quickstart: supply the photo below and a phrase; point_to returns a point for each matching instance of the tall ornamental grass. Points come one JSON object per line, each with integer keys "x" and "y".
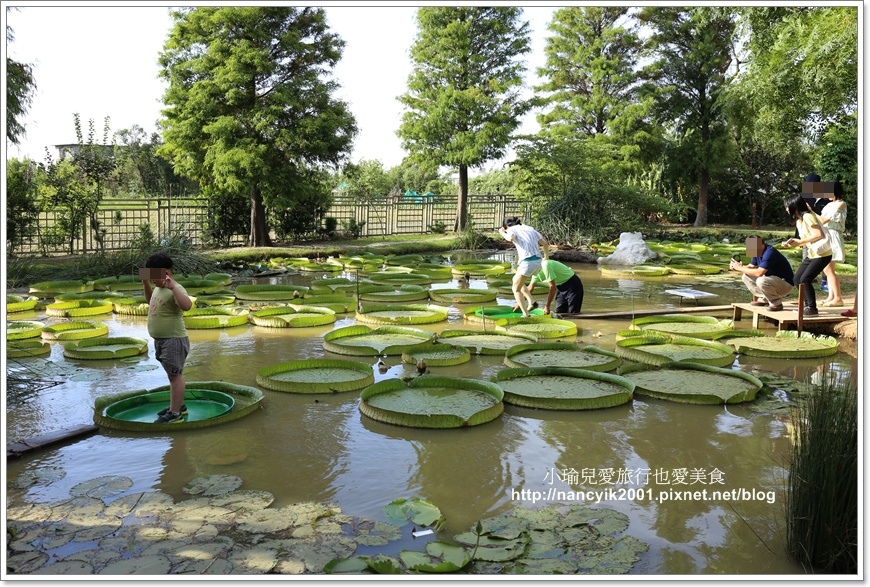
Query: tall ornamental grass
{"x": 822, "y": 505}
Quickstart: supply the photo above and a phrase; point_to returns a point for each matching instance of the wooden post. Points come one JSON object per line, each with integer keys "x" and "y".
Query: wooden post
{"x": 800, "y": 322}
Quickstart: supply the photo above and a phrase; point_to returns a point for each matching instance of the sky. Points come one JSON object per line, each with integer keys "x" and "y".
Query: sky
{"x": 101, "y": 60}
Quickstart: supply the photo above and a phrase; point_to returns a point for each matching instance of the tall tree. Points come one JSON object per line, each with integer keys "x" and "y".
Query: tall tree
{"x": 692, "y": 50}
{"x": 589, "y": 71}
{"x": 20, "y": 86}
{"x": 250, "y": 110}
{"x": 463, "y": 100}
{"x": 802, "y": 72}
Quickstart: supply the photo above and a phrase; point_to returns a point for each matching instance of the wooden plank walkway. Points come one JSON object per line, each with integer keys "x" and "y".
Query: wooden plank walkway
{"x": 23, "y": 447}
{"x": 788, "y": 316}
{"x": 623, "y": 314}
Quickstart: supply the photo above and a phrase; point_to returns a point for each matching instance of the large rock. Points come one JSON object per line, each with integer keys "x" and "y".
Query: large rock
{"x": 631, "y": 250}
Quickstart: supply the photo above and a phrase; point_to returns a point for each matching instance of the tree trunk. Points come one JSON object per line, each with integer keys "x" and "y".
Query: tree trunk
{"x": 462, "y": 200}
{"x": 259, "y": 230}
{"x": 703, "y": 188}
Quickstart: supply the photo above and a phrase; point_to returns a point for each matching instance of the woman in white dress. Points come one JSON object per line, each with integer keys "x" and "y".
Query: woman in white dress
{"x": 833, "y": 216}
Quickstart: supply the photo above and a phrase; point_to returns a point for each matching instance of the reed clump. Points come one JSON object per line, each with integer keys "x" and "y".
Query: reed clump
{"x": 822, "y": 503}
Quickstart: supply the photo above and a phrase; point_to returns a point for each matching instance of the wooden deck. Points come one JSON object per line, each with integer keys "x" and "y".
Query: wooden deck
{"x": 788, "y": 317}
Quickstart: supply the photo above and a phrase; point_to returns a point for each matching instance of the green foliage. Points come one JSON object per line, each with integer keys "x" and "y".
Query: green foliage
{"x": 500, "y": 180}
{"x": 463, "y": 100}
{"x": 141, "y": 173}
{"x": 22, "y": 188}
{"x": 802, "y": 73}
{"x": 837, "y": 158}
{"x": 250, "y": 109}
{"x": 438, "y": 227}
{"x": 822, "y": 509}
{"x": 353, "y": 228}
{"x": 96, "y": 162}
{"x": 692, "y": 49}
{"x": 590, "y": 69}
{"x": 20, "y": 87}
{"x": 227, "y": 216}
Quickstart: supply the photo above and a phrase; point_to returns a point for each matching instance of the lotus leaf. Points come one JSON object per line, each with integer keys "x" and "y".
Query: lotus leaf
{"x": 53, "y": 287}
{"x": 338, "y": 303}
{"x": 391, "y": 278}
{"x": 438, "y": 355}
{"x": 105, "y": 348}
{"x": 786, "y": 344}
{"x": 270, "y": 292}
{"x": 328, "y": 285}
{"x": 20, "y": 303}
{"x": 215, "y": 299}
{"x": 316, "y": 376}
{"x": 430, "y": 401}
{"x": 407, "y": 314}
{"x": 478, "y": 269}
{"x": 434, "y": 270}
{"x": 246, "y": 400}
{"x": 561, "y": 354}
{"x": 75, "y": 330}
{"x": 635, "y": 271}
{"x": 214, "y": 317}
{"x": 313, "y": 267}
{"x": 706, "y": 327}
{"x": 157, "y": 564}
{"x": 365, "y": 341}
{"x": 494, "y": 313}
{"x": 463, "y": 296}
{"x": 288, "y": 317}
{"x": 556, "y": 388}
{"x": 22, "y": 349}
{"x": 102, "y": 487}
{"x": 222, "y": 278}
{"x": 659, "y": 348}
{"x": 694, "y": 384}
{"x": 411, "y": 258}
{"x": 539, "y": 326}
{"x": 485, "y": 343}
{"x": 385, "y": 293}
{"x": 130, "y": 306}
{"x": 213, "y": 485}
{"x": 419, "y": 511}
{"x": 79, "y": 308}
{"x": 21, "y": 329}
{"x": 693, "y": 269}
{"x": 440, "y": 557}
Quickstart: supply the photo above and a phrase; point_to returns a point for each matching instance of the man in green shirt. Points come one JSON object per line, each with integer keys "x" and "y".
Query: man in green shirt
{"x": 167, "y": 303}
{"x": 565, "y": 287}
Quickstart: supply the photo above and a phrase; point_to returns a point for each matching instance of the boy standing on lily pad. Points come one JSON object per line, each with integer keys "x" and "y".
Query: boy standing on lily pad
{"x": 167, "y": 303}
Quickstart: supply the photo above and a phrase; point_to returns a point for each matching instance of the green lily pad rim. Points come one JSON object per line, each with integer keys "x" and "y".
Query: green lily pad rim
{"x": 264, "y": 376}
{"x": 563, "y": 346}
{"x": 700, "y": 397}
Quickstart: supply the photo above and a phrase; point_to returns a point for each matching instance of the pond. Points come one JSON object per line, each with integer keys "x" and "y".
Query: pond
{"x": 320, "y": 448}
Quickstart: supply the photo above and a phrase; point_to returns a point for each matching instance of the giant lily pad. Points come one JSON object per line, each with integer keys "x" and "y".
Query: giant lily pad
{"x": 20, "y": 303}
{"x": 419, "y": 511}
{"x": 556, "y": 388}
{"x": 635, "y": 271}
{"x": 270, "y": 292}
{"x": 483, "y": 342}
{"x": 316, "y": 376}
{"x": 479, "y": 269}
{"x": 658, "y": 348}
{"x": 385, "y": 293}
{"x": 431, "y": 401}
{"x": 396, "y": 278}
{"x": 21, "y": 329}
{"x": 436, "y": 270}
{"x": 365, "y": 341}
{"x": 105, "y": 348}
{"x": 46, "y": 288}
{"x": 75, "y": 330}
{"x": 693, "y": 383}
{"x": 785, "y": 344}
{"x": 76, "y": 309}
{"x": 218, "y": 298}
{"x": 539, "y": 326}
{"x": 338, "y": 303}
{"x": 21, "y": 349}
{"x": 561, "y": 354}
{"x": 215, "y": 317}
{"x": 437, "y": 355}
{"x": 290, "y": 317}
{"x": 130, "y": 306}
{"x": 245, "y": 401}
{"x": 406, "y": 314}
{"x": 491, "y": 314}
{"x": 200, "y": 286}
{"x": 463, "y": 296}
{"x": 706, "y": 327}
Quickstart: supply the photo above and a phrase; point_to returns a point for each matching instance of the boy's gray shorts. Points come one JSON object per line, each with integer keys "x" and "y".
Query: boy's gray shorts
{"x": 172, "y": 353}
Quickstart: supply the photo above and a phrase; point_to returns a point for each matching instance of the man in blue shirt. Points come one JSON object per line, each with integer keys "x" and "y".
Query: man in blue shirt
{"x": 768, "y": 275}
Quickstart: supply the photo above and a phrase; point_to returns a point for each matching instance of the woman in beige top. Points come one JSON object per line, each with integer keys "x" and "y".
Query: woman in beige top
{"x": 834, "y": 217}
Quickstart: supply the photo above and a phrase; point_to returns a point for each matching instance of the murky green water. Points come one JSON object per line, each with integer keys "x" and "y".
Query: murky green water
{"x": 320, "y": 448}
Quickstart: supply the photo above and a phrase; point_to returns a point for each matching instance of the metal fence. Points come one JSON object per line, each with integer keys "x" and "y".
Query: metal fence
{"x": 122, "y": 218}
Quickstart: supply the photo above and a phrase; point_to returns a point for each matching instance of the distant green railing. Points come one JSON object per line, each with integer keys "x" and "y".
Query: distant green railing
{"x": 121, "y": 218}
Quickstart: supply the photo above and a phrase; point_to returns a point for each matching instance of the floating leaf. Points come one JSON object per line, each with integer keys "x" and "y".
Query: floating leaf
{"x": 146, "y": 565}
{"x": 438, "y": 355}
{"x": 561, "y": 354}
{"x": 696, "y": 326}
{"x": 657, "y": 348}
{"x": 557, "y": 388}
{"x": 213, "y": 485}
{"x": 407, "y": 314}
{"x": 485, "y": 343}
{"x": 102, "y": 486}
{"x": 384, "y": 340}
{"x": 786, "y": 344}
{"x": 316, "y": 376}
{"x": 695, "y": 384}
{"x": 105, "y": 348}
{"x": 418, "y": 511}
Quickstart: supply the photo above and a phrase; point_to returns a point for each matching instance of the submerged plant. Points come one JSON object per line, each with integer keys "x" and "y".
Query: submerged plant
{"x": 822, "y": 504}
